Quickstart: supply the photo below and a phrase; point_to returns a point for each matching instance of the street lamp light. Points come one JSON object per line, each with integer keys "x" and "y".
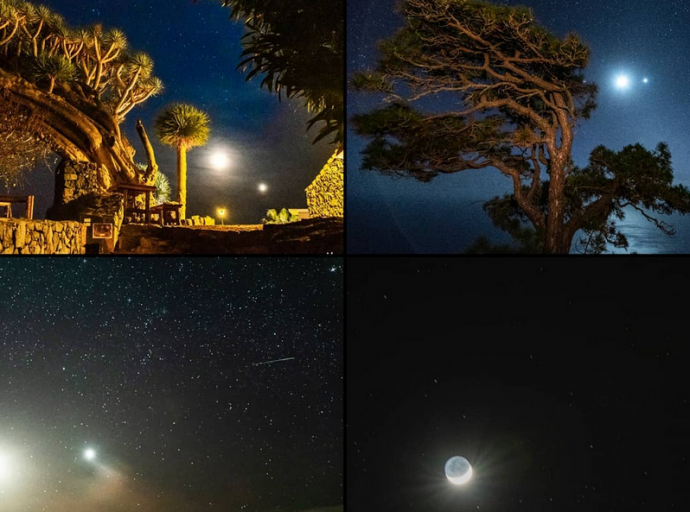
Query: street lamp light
{"x": 221, "y": 214}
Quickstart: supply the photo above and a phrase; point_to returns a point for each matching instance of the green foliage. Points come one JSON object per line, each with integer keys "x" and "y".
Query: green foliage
{"x": 37, "y": 44}
{"x": 163, "y": 192}
{"x": 408, "y": 144}
{"x": 599, "y": 195}
{"x": 182, "y": 125}
{"x": 283, "y": 216}
{"x": 297, "y": 49}
{"x": 54, "y": 68}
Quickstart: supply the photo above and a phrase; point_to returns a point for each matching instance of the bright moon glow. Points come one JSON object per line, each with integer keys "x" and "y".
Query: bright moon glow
{"x": 4, "y": 468}
{"x": 90, "y": 454}
{"x": 220, "y": 161}
{"x": 622, "y": 82}
{"x": 646, "y": 80}
{"x": 263, "y": 187}
{"x": 458, "y": 470}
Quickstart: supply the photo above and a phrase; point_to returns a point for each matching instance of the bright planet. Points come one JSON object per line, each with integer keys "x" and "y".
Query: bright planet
{"x": 458, "y": 470}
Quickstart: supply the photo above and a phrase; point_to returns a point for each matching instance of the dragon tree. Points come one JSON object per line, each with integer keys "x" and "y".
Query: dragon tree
{"x": 508, "y": 96}
{"x": 76, "y": 86}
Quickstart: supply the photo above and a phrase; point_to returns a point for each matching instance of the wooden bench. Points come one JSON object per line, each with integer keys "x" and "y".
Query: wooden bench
{"x": 8, "y": 201}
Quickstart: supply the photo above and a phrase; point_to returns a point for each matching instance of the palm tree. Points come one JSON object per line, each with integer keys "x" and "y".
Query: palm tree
{"x": 182, "y": 127}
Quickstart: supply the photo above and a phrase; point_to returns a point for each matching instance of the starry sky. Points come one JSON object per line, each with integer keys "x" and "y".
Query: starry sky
{"x": 163, "y": 368}
{"x": 563, "y": 383}
{"x": 195, "y": 49}
{"x": 639, "y": 38}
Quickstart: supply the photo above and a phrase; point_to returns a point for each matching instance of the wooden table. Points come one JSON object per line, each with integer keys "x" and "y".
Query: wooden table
{"x": 165, "y": 212}
{"x": 131, "y": 191}
{"x": 8, "y": 201}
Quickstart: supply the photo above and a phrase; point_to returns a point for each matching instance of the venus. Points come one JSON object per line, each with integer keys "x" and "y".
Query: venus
{"x": 458, "y": 470}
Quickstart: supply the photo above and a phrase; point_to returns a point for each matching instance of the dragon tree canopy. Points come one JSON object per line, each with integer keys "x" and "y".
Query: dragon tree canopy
{"x": 77, "y": 85}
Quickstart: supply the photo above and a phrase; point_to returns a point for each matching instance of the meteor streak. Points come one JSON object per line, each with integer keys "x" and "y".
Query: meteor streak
{"x": 273, "y": 361}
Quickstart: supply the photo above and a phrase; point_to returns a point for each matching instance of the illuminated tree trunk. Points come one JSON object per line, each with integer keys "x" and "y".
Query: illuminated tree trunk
{"x": 556, "y": 242}
{"x": 182, "y": 179}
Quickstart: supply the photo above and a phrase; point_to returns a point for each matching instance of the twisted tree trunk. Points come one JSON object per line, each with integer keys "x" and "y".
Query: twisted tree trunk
{"x": 85, "y": 137}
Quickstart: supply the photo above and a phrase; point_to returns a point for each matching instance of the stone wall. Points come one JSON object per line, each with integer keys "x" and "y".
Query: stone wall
{"x": 18, "y": 236}
{"x": 196, "y": 220}
{"x": 325, "y": 196}
{"x": 75, "y": 179}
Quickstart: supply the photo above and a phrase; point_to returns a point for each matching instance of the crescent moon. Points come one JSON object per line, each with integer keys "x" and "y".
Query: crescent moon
{"x": 459, "y": 480}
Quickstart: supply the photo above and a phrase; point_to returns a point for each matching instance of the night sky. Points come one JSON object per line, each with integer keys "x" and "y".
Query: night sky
{"x": 163, "y": 368}
{"x": 639, "y": 38}
{"x": 195, "y": 49}
{"x": 564, "y": 383}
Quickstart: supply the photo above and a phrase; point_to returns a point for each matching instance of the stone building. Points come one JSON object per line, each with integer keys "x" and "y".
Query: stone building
{"x": 326, "y": 194}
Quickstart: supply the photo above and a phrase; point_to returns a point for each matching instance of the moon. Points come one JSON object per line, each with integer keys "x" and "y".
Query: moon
{"x": 89, "y": 454}
{"x": 5, "y": 469}
{"x": 219, "y": 161}
{"x": 622, "y": 82}
{"x": 263, "y": 188}
{"x": 458, "y": 470}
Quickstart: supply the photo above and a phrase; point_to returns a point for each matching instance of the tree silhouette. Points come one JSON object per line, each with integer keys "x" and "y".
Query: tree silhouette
{"x": 297, "y": 48}
{"x": 522, "y": 92}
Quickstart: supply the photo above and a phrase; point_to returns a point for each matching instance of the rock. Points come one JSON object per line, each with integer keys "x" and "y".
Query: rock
{"x": 20, "y": 235}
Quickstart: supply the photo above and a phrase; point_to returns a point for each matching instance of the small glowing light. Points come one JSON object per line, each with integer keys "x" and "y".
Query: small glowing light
{"x": 90, "y": 454}
{"x": 221, "y": 213}
{"x": 646, "y": 80}
{"x": 219, "y": 161}
{"x": 622, "y": 82}
{"x": 263, "y": 187}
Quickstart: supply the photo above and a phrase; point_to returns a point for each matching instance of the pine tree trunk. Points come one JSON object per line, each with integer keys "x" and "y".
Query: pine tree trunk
{"x": 555, "y": 229}
{"x": 182, "y": 179}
